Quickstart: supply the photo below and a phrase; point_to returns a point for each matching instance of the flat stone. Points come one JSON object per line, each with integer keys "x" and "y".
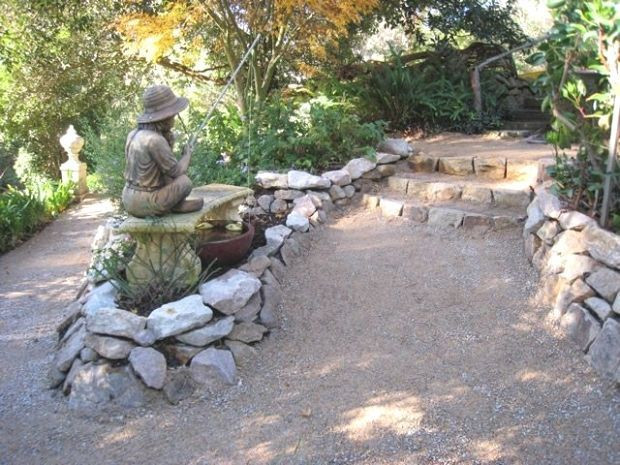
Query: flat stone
{"x": 103, "y": 296}
{"x": 179, "y": 317}
{"x": 304, "y": 206}
{"x": 54, "y": 377}
{"x": 445, "y": 217}
{"x": 395, "y": 146}
{"x": 417, "y": 213}
{"x": 288, "y": 194}
{"x": 338, "y": 177}
{"x": 278, "y": 206}
{"x": 580, "y": 326}
{"x": 289, "y": 252}
{"x": 398, "y": 184}
{"x": 276, "y": 235}
{"x": 548, "y": 231}
{"x": 242, "y": 353}
{"x": 423, "y": 163}
{"x": 75, "y": 368}
{"x": 272, "y": 297}
{"x": 358, "y": 166}
{"x": 145, "y": 338}
{"x": 456, "y": 166}
{"x": 179, "y": 385}
{"x": 149, "y": 365}
{"x": 477, "y": 194}
{"x": 336, "y": 192}
{"x": 443, "y": 191}
{"x": 604, "y": 353}
{"x": 247, "y": 332}
{"x": 230, "y": 292}
{"x": 214, "y": 366}
{"x": 349, "y": 191}
{"x": 603, "y": 245}
{"x": 420, "y": 190}
{"x": 264, "y": 201}
{"x": 386, "y": 170}
{"x": 109, "y": 347}
{"x": 88, "y": 355}
{"x": 511, "y": 198}
{"x": 72, "y": 329}
{"x": 70, "y": 349}
{"x": 383, "y": 158}
{"x": 549, "y": 204}
{"x": 477, "y": 222}
{"x": 569, "y": 242}
{"x": 251, "y": 309}
{"x": 391, "y": 207}
{"x": 71, "y": 314}
{"x": 531, "y": 245}
{"x": 301, "y": 180}
{"x": 182, "y": 353}
{"x": 115, "y": 322}
{"x": 207, "y": 334}
{"x": 535, "y": 218}
{"x": 599, "y": 307}
{"x": 297, "y": 222}
{"x": 576, "y": 292}
{"x": 490, "y": 168}
{"x": 96, "y": 386}
{"x": 278, "y": 269}
{"x": 270, "y": 180}
{"x": 256, "y": 265}
{"x": 575, "y": 220}
{"x": 606, "y": 282}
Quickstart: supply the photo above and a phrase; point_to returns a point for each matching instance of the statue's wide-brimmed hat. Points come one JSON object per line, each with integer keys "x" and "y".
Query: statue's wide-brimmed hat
{"x": 160, "y": 103}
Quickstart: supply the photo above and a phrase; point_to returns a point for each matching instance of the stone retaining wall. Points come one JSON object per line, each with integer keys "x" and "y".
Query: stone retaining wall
{"x": 579, "y": 266}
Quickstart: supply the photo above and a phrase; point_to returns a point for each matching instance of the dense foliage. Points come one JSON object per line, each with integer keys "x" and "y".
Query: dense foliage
{"x": 581, "y": 81}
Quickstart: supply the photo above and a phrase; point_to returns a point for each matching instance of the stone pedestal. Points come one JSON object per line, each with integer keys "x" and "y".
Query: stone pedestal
{"x": 73, "y": 169}
{"x": 165, "y": 245}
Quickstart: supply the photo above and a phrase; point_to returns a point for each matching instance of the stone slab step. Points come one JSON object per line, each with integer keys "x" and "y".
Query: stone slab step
{"x": 447, "y": 215}
{"x": 524, "y": 125}
{"x": 433, "y": 191}
{"x": 529, "y": 114}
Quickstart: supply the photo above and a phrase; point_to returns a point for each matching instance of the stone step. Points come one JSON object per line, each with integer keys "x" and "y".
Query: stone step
{"x": 533, "y": 103}
{"x": 511, "y": 133}
{"x": 454, "y": 214}
{"x": 524, "y": 125}
{"x": 495, "y": 167}
{"x": 529, "y": 114}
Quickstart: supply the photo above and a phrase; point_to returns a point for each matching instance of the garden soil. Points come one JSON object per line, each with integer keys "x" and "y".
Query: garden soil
{"x": 399, "y": 344}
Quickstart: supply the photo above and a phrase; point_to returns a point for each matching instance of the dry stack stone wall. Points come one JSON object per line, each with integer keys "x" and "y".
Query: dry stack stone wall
{"x": 579, "y": 265}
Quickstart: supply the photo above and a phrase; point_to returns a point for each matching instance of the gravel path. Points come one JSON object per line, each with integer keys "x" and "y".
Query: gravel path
{"x": 400, "y": 345}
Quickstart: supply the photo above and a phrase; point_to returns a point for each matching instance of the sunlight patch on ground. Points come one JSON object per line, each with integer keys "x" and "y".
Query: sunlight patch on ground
{"x": 398, "y": 416}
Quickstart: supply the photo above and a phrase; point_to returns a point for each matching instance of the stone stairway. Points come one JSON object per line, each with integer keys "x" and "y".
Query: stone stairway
{"x": 470, "y": 192}
{"x": 527, "y": 120}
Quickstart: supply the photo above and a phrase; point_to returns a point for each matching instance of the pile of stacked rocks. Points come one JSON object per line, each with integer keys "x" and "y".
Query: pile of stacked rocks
{"x": 108, "y": 355}
{"x": 579, "y": 265}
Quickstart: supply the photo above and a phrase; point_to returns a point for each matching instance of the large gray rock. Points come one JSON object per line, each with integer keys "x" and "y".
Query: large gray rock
{"x": 210, "y": 333}
{"x": 213, "y": 367}
{"x": 575, "y": 220}
{"x": 531, "y": 243}
{"x": 179, "y": 385}
{"x": 256, "y": 265}
{"x": 247, "y": 332}
{"x": 70, "y": 348}
{"x": 398, "y": 147}
{"x": 264, "y": 201}
{"x": 109, "y": 347}
{"x": 272, "y": 297}
{"x": 182, "y": 353}
{"x": 75, "y": 368}
{"x": 297, "y": 221}
{"x": 606, "y": 282}
{"x": 242, "y": 353}
{"x": 115, "y": 322}
{"x": 384, "y": 158}
{"x": 301, "y": 180}
{"x": 604, "y": 354}
{"x": 288, "y": 194}
{"x": 338, "y": 177}
{"x": 276, "y": 235}
{"x": 278, "y": 206}
{"x": 304, "y": 206}
{"x": 599, "y": 307}
{"x": 445, "y": 217}
{"x": 251, "y": 309}
{"x": 580, "y": 326}
{"x": 548, "y": 231}
{"x": 149, "y": 365}
{"x": 96, "y": 386}
{"x": 549, "y": 204}
{"x": 278, "y": 269}
{"x": 603, "y": 245}
{"x": 103, "y": 296}
{"x": 290, "y": 251}
{"x": 270, "y": 180}
{"x": 535, "y": 218}
{"x": 349, "y": 191}
{"x": 179, "y": 317}
{"x": 336, "y": 192}
{"x": 358, "y": 166}
{"x": 230, "y": 292}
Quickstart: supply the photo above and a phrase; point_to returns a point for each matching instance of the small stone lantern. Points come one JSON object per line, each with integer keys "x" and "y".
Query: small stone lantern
{"x": 73, "y": 169}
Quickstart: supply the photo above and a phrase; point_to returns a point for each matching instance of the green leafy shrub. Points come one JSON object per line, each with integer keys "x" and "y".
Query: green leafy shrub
{"x": 24, "y": 211}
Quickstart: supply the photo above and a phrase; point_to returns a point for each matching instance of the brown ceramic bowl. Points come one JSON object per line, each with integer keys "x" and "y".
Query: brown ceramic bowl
{"x": 227, "y": 251}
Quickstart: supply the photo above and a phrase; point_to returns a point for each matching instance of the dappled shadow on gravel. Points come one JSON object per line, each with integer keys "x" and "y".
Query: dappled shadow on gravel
{"x": 399, "y": 344}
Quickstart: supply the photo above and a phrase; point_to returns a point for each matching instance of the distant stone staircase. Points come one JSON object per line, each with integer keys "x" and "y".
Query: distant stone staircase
{"x": 527, "y": 120}
{"x": 473, "y": 193}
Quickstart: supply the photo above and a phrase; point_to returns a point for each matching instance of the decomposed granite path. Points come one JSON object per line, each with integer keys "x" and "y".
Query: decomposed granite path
{"x": 399, "y": 344}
